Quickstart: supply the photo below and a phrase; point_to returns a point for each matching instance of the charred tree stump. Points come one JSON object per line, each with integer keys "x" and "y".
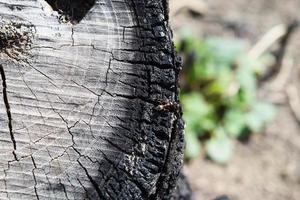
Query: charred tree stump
{"x": 89, "y": 103}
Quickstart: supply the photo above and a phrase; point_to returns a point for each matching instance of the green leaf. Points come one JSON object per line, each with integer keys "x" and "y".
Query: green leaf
{"x": 226, "y": 50}
{"x": 193, "y": 145}
{"x": 197, "y": 114}
{"x": 194, "y": 103}
{"x": 248, "y": 87}
{"x": 234, "y": 123}
{"x": 261, "y": 114}
{"x": 220, "y": 147}
{"x": 194, "y": 124}
{"x": 222, "y": 81}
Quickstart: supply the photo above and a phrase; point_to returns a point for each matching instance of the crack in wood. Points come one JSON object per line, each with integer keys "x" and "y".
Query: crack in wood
{"x": 7, "y": 106}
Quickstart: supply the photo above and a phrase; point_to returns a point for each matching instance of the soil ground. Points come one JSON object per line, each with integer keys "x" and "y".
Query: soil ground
{"x": 268, "y": 167}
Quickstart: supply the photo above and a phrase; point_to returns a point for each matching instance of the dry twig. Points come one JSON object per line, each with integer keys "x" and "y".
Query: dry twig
{"x": 280, "y": 33}
{"x": 197, "y": 7}
{"x": 294, "y": 100}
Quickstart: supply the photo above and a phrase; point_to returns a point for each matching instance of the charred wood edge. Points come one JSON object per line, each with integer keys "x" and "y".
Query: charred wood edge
{"x": 167, "y": 181}
{"x": 166, "y": 9}
{"x": 183, "y": 189}
{"x": 168, "y": 185}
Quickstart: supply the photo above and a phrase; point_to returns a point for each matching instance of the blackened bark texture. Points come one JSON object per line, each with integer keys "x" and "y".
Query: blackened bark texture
{"x": 183, "y": 190}
{"x": 89, "y": 104}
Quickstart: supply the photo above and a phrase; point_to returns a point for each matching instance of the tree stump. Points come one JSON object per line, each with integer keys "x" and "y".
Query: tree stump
{"x": 89, "y": 103}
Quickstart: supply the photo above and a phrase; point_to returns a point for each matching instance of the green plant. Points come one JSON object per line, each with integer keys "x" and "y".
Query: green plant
{"x": 219, "y": 86}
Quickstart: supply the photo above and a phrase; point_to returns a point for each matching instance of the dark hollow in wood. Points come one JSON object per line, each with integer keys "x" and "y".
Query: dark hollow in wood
{"x": 71, "y": 10}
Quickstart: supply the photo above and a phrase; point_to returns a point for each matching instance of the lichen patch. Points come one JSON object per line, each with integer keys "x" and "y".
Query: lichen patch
{"x": 15, "y": 39}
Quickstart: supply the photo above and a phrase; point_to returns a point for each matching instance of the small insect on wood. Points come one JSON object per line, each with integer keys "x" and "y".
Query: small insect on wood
{"x": 168, "y": 106}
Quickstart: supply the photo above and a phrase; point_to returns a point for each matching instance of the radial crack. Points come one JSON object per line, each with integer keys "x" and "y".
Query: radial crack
{"x": 6, "y": 103}
{"x": 94, "y": 183}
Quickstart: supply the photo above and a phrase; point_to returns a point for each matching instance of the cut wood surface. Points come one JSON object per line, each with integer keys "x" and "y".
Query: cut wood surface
{"x": 89, "y": 100}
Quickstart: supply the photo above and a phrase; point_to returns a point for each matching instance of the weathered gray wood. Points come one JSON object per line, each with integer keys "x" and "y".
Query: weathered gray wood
{"x": 88, "y": 109}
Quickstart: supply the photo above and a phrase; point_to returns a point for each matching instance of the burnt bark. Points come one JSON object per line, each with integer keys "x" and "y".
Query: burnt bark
{"x": 89, "y": 104}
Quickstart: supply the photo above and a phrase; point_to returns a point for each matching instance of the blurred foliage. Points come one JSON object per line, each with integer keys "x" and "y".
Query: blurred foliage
{"x": 219, "y": 87}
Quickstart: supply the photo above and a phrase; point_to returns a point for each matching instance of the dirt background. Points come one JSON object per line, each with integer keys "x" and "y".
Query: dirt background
{"x": 268, "y": 167}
